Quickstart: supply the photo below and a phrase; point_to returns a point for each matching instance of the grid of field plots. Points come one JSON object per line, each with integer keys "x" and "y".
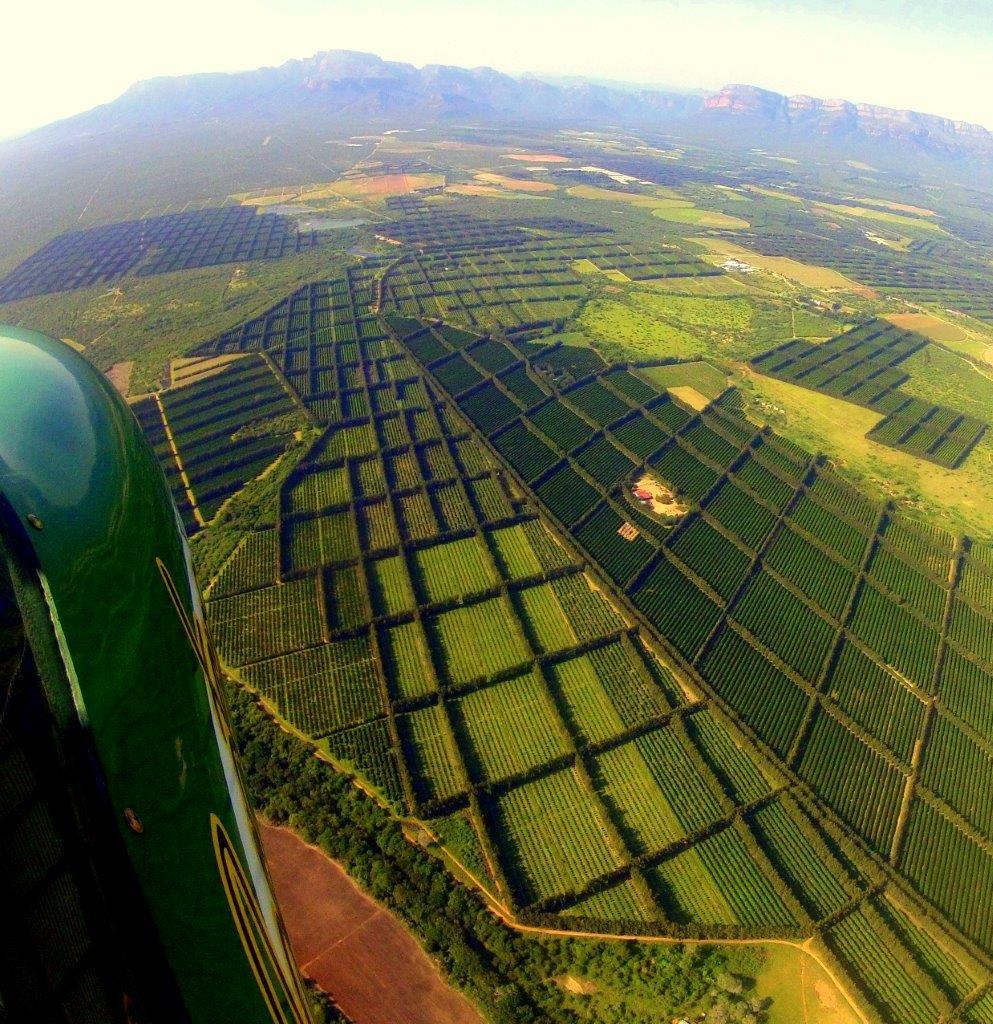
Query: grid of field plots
{"x": 862, "y": 366}
{"x": 830, "y": 629}
{"x": 496, "y": 273}
{"x": 937, "y": 271}
{"x": 767, "y": 718}
{"x": 154, "y": 245}
{"x": 219, "y": 430}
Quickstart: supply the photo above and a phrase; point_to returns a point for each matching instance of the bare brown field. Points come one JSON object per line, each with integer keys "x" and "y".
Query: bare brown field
{"x": 381, "y": 185}
{"x": 917, "y": 211}
{"x": 691, "y": 397}
{"x": 120, "y": 376}
{"x": 188, "y": 371}
{"x": 517, "y": 184}
{"x": 350, "y": 946}
{"x": 475, "y": 190}
{"x": 537, "y": 158}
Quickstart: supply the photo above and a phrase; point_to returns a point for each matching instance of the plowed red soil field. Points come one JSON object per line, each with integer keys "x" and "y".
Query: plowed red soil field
{"x": 350, "y": 946}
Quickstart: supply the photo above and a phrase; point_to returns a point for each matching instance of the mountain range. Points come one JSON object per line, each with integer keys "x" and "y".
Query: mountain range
{"x": 342, "y": 84}
{"x": 167, "y": 141}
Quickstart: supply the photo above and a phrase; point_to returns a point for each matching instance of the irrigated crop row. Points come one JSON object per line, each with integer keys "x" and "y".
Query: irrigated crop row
{"x": 853, "y": 779}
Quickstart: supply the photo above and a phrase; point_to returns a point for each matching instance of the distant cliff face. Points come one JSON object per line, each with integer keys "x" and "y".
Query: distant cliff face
{"x": 747, "y": 99}
{"x": 839, "y": 117}
{"x": 338, "y": 83}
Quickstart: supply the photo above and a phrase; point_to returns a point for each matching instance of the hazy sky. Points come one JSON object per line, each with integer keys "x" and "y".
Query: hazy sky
{"x": 62, "y": 57}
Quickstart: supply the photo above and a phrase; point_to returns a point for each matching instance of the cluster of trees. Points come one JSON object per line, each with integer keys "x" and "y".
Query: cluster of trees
{"x": 517, "y": 979}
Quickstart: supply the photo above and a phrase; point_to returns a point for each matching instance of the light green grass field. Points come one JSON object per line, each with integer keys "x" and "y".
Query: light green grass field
{"x": 643, "y": 336}
{"x": 510, "y": 727}
{"x": 701, "y": 218}
{"x": 801, "y": 991}
{"x": 944, "y": 377}
{"x": 956, "y": 499}
{"x": 920, "y": 225}
{"x": 959, "y": 333}
{"x": 478, "y": 640}
{"x": 453, "y": 570}
{"x": 514, "y": 553}
{"x": 648, "y": 324}
{"x": 405, "y": 652}
{"x": 739, "y": 316}
{"x": 699, "y": 375}
{"x": 390, "y": 586}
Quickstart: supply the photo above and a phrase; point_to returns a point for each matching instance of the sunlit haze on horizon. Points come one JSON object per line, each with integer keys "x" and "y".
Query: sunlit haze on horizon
{"x": 931, "y": 57}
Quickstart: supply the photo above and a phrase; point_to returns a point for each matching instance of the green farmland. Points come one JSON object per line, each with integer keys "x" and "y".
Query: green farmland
{"x": 415, "y": 489}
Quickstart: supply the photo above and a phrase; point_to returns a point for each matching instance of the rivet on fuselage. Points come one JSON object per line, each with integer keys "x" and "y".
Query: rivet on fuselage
{"x": 34, "y": 521}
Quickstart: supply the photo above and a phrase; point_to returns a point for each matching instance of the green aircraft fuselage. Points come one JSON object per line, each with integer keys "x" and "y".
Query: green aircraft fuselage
{"x": 102, "y": 574}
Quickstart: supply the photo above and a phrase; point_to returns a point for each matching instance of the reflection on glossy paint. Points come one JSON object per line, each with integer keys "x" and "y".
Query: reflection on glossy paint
{"x": 48, "y": 442}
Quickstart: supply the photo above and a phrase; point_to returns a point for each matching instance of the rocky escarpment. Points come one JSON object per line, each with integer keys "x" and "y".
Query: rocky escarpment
{"x": 841, "y": 117}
